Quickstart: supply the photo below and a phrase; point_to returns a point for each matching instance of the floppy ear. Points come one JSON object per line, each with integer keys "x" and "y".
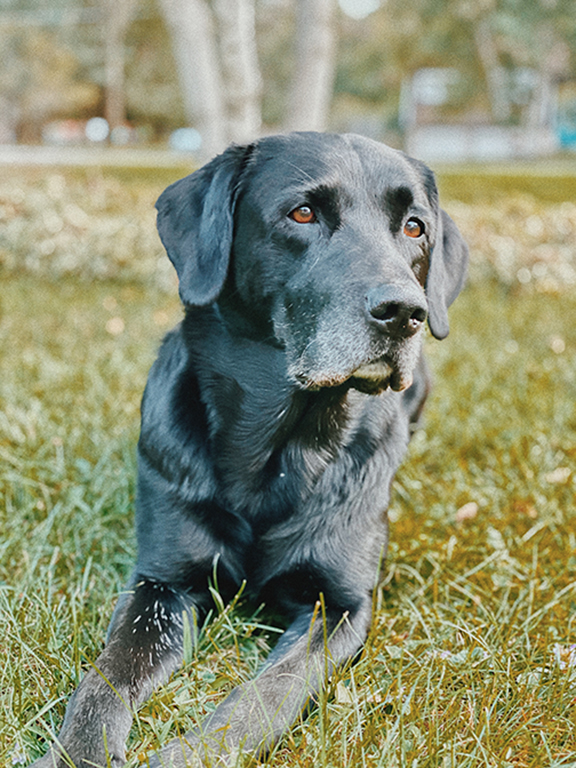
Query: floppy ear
{"x": 195, "y": 222}
{"x": 446, "y": 274}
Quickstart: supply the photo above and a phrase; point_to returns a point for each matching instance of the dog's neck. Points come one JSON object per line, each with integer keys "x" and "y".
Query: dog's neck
{"x": 245, "y": 381}
{"x": 259, "y": 420}
{"x": 245, "y": 320}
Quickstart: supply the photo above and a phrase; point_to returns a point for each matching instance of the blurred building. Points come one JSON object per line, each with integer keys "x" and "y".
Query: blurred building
{"x": 535, "y": 124}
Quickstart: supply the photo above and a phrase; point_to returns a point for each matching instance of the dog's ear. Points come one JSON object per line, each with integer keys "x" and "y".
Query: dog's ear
{"x": 196, "y": 221}
{"x": 446, "y": 274}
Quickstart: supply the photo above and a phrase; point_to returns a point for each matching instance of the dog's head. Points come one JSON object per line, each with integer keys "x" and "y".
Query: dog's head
{"x": 331, "y": 246}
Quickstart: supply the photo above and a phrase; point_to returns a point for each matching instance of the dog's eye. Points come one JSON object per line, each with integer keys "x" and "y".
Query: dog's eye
{"x": 303, "y": 215}
{"x": 414, "y": 227}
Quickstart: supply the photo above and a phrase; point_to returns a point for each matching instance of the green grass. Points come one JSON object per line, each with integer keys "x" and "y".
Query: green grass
{"x": 551, "y": 179}
{"x": 470, "y": 661}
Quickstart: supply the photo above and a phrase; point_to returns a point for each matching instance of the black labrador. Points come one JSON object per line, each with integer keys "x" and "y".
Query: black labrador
{"x": 273, "y": 422}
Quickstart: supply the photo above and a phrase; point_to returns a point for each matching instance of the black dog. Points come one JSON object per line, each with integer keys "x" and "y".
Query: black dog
{"x": 273, "y": 422}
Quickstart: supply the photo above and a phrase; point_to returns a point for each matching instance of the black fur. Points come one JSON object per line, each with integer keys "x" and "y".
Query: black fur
{"x": 273, "y": 422}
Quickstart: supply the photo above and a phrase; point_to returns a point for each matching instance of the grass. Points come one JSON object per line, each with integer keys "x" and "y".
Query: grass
{"x": 550, "y": 179}
{"x": 472, "y": 657}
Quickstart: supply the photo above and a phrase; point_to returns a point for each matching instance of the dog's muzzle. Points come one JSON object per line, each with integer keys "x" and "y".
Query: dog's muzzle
{"x": 374, "y": 350}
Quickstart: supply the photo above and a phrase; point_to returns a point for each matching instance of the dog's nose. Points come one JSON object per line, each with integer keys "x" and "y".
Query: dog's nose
{"x": 399, "y": 311}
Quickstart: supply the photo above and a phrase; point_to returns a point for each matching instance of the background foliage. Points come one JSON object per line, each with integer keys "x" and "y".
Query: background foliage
{"x": 53, "y": 61}
{"x": 94, "y": 225}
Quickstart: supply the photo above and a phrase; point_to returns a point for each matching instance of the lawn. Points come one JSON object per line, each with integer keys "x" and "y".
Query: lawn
{"x": 472, "y": 657}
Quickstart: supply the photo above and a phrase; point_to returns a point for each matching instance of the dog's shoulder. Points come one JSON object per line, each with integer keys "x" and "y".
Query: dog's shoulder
{"x": 170, "y": 364}
{"x": 174, "y": 429}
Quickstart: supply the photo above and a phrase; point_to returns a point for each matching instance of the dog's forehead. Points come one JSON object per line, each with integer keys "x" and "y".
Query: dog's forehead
{"x": 300, "y": 162}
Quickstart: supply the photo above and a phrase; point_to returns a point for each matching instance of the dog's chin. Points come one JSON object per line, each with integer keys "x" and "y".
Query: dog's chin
{"x": 380, "y": 375}
{"x": 371, "y": 378}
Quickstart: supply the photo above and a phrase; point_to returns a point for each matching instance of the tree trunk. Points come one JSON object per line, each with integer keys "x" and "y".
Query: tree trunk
{"x": 553, "y": 57}
{"x": 236, "y": 21}
{"x": 117, "y": 14}
{"x": 493, "y": 71}
{"x": 313, "y": 79}
{"x": 192, "y": 31}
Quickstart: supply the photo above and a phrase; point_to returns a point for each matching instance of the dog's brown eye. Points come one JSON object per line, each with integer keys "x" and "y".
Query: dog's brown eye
{"x": 414, "y": 228}
{"x": 303, "y": 215}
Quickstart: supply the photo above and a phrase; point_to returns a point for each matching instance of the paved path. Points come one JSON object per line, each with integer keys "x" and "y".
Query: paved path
{"x": 133, "y": 157}
{"x": 12, "y": 154}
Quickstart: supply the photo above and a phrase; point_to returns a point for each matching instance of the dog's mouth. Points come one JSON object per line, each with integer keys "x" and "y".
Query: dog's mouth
{"x": 379, "y": 375}
{"x": 369, "y": 363}
{"x": 371, "y": 378}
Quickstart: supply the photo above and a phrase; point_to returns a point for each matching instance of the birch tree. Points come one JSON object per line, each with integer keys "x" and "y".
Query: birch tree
{"x": 193, "y": 37}
{"x": 243, "y": 86}
{"x": 117, "y": 15}
{"x": 313, "y": 78}
{"x": 553, "y": 66}
{"x": 494, "y": 72}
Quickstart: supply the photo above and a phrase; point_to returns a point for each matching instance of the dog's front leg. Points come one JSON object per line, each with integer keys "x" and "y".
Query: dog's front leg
{"x": 256, "y": 714}
{"x": 144, "y": 647}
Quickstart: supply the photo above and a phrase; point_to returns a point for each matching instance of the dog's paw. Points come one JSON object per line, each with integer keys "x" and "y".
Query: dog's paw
{"x": 190, "y": 751}
{"x": 55, "y": 758}
{"x": 178, "y": 753}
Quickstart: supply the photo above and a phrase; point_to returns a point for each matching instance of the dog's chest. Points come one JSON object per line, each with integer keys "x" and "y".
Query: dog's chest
{"x": 276, "y": 451}
{"x": 271, "y": 448}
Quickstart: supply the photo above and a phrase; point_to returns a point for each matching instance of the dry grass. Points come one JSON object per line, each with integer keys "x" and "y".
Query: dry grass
{"x": 471, "y": 660}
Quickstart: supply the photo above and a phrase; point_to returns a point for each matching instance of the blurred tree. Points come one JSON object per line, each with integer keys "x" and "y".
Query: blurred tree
{"x": 219, "y": 73}
{"x": 275, "y": 32}
{"x": 154, "y": 97}
{"x": 118, "y": 14}
{"x": 314, "y": 72}
{"x": 227, "y": 82}
{"x": 497, "y": 46}
{"x": 241, "y": 72}
{"x": 40, "y": 80}
{"x": 494, "y": 71}
{"x": 192, "y": 30}
{"x": 195, "y": 61}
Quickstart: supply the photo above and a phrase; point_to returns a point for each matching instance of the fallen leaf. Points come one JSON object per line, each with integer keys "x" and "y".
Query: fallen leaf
{"x": 467, "y": 512}
{"x": 558, "y": 475}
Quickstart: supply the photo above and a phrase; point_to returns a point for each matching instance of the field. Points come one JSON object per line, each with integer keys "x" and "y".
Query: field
{"x": 472, "y": 657}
